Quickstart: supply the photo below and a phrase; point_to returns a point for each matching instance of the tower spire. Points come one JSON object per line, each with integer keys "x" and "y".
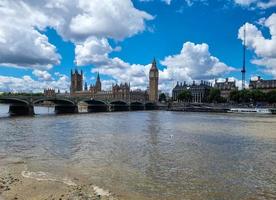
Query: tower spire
{"x": 154, "y": 66}
{"x": 243, "y": 71}
{"x": 98, "y": 77}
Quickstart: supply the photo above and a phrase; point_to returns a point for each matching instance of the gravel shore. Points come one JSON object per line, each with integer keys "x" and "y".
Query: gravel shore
{"x": 15, "y": 185}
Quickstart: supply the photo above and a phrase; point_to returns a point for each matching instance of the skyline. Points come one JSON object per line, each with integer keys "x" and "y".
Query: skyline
{"x": 39, "y": 45}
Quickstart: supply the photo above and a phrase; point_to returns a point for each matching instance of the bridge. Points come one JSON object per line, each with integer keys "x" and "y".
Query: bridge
{"x": 24, "y": 105}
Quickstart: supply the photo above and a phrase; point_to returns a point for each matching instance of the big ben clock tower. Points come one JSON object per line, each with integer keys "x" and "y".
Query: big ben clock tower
{"x": 153, "y": 82}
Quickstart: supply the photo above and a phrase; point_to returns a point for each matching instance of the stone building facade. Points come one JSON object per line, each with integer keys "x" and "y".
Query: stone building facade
{"x": 97, "y": 87}
{"x": 153, "y": 82}
{"x": 76, "y": 82}
{"x": 199, "y": 92}
{"x": 263, "y": 85}
{"x": 226, "y": 87}
{"x": 119, "y": 92}
{"x": 49, "y": 92}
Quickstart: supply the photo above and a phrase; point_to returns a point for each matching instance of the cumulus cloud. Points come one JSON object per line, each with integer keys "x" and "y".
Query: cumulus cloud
{"x": 262, "y": 4}
{"x": 93, "y": 50}
{"x": 264, "y": 48}
{"x": 87, "y": 24}
{"x": 42, "y": 75}
{"x": 194, "y": 62}
{"x": 23, "y": 44}
{"x": 28, "y": 84}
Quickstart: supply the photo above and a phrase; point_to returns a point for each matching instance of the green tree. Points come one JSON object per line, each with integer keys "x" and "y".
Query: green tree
{"x": 245, "y": 96}
{"x": 257, "y": 96}
{"x": 214, "y": 96}
{"x": 235, "y": 96}
{"x": 271, "y": 96}
{"x": 162, "y": 97}
{"x": 185, "y": 96}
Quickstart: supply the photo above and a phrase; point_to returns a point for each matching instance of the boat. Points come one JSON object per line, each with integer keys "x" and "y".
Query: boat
{"x": 251, "y": 110}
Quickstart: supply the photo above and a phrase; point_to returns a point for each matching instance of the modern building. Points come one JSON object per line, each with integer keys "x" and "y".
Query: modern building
{"x": 153, "y": 82}
{"x": 226, "y": 87}
{"x": 263, "y": 85}
{"x": 199, "y": 92}
{"x": 76, "y": 82}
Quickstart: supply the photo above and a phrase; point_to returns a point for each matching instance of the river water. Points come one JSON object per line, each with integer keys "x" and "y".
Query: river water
{"x": 151, "y": 154}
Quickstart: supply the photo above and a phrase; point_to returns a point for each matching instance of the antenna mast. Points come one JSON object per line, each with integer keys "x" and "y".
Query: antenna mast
{"x": 243, "y": 71}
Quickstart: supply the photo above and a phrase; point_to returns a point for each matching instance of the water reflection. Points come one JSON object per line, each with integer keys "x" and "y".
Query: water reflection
{"x": 151, "y": 155}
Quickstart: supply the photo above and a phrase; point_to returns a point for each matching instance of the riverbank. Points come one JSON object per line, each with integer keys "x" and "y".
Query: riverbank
{"x": 18, "y": 184}
{"x": 213, "y": 108}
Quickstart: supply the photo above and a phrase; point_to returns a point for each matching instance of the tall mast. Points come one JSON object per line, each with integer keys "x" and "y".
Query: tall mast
{"x": 243, "y": 71}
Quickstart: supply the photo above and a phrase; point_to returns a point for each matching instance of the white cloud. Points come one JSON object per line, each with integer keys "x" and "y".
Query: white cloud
{"x": 93, "y": 50}
{"x": 27, "y": 84}
{"x": 262, "y": 4}
{"x": 88, "y": 24}
{"x": 105, "y": 18}
{"x": 23, "y": 44}
{"x": 193, "y": 63}
{"x": 42, "y": 75}
{"x": 264, "y": 48}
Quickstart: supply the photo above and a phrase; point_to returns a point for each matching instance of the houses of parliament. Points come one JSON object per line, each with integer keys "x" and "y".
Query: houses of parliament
{"x": 120, "y": 92}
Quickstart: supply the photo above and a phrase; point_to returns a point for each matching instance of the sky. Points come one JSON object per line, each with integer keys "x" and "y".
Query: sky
{"x": 41, "y": 41}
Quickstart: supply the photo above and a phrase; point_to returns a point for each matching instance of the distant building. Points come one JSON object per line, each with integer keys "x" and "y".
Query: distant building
{"x": 97, "y": 87}
{"x": 49, "y": 92}
{"x": 226, "y": 87}
{"x": 199, "y": 92}
{"x": 263, "y": 85}
{"x": 118, "y": 92}
{"x": 76, "y": 82}
{"x": 153, "y": 82}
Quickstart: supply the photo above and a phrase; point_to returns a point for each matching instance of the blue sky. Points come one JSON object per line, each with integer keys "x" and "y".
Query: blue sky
{"x": 40, "y": 42}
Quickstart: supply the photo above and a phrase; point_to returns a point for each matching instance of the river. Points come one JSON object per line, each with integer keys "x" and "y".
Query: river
{"x": 149, "y": 154}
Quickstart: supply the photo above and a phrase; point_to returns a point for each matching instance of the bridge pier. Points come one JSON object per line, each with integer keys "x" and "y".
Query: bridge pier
{"x": 21, "y": 109}
{"x": 66, "y": 109}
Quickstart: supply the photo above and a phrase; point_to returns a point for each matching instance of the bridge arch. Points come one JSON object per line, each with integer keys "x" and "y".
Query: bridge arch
{"x": 119, "y": 106}
{"x": 11, "y": 100}
{"x": 137, "y": 106}
{"x": 62, "y": 106}
{"x": 55, "y": 101}
{"x": 18, "y": 106}
{"x": 96, "y": 105}
{"x": 150, "y": 106}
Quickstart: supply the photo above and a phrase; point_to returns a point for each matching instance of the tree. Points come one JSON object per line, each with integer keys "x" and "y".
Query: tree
{"x": 258, "y": 96}
{"x": 245, "y": 96}
{"x": 234, "y": 96}
{"x": 214, "y": 96}
{"x": 162, "y": 97}
{"x": 271, "y": 96}
{"x": 185, "y": 96}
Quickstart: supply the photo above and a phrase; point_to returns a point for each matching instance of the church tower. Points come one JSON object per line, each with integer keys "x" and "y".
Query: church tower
{"x": 76, "y": 81}
{"x": 153, "y": 82}
{"x": 98, "y": 85}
